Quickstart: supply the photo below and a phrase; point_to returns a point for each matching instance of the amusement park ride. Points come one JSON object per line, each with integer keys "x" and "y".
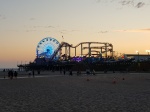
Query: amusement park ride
{"x": 50, "y": 55}
{"x": 50, "y": 49}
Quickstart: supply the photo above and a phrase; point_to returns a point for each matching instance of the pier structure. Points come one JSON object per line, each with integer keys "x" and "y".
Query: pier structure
{"x": 49, "y": 51}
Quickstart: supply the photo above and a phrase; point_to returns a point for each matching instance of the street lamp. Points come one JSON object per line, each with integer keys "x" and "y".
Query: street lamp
{"x": 148, "y": 51}
{"x": 138, "y": 55}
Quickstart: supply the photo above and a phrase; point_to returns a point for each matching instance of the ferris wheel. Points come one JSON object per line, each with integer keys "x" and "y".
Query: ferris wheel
{"x": 46, "y": 47}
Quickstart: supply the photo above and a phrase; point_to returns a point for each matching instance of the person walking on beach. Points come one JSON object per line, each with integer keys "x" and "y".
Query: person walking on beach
{"x": 4, "y": 73}
{"x": 38, "y": 71}
{"x": 10, "y": 74}
{"x": 93, "y": 72}
{"x": 70, "y": 72}
{"x": 87, "y": 71}
{"x": 15, "y": 74}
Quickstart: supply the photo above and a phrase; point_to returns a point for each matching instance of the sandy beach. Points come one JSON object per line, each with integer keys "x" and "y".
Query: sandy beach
{"x": 55, "y": 92}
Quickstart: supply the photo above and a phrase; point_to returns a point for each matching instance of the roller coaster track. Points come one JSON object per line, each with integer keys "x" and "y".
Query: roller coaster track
{"x": 102, "y": 47}
{"x": 58, "y": 49}
{"x": 92, "y": 43}
{"x": 64, "y": 44}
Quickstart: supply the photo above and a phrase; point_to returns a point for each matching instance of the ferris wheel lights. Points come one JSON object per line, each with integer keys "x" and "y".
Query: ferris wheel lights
{"x": 46, "y": 47}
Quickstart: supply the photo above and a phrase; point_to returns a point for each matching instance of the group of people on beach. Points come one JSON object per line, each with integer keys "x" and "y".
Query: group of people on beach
{"x": 11, "y": 73}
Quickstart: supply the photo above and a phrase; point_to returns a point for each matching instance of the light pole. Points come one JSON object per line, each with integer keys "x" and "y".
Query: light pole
{"x": 138, "y": 55}
{"x": 148, "y": 51}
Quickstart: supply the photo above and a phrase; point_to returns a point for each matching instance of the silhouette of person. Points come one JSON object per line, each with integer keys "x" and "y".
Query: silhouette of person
{"x": 15, "y": 74}
{"x": 4, "y": 73}
{"x": 11, "y": 74}
{"x": 70, "y": 72}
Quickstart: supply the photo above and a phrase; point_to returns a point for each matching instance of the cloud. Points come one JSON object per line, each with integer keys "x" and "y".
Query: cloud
{"x": 103, "y": 32}
{"x": 134, "y": 30}
{"x": 133, "y": 3}
{"x": 147, "y": 29}
{"x": 140, "y": 4}
{"x": 68, "y": 31}
{"x": 38, "y": 26}
{"x": 30, "y": 30}
{"x": 49, "y": 26}
{"x": 127, "y": 2}
{"x": 75, "y": 30}
{"x": 32, "y": 19}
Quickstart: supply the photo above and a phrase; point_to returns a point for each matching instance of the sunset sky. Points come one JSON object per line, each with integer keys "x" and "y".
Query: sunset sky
{"x": 23, "y": 23}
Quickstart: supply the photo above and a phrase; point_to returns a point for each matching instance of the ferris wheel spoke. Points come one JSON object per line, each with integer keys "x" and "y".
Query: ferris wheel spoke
{"x": 46, "y": 47}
